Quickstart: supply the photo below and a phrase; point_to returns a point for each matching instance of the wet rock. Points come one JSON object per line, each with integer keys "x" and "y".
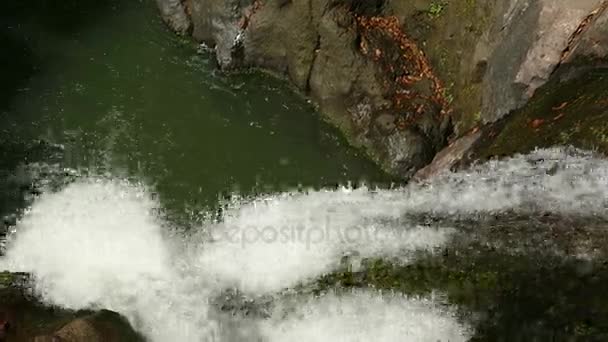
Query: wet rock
{"x": 174, "y": 14}
{"x": 449, "y": 157}
{"x": 386, "y": 123}
{"x": 287, "y": 46}
{"x": 27, "y": 319}
{"x": 406, "y": 152}
{"x": 221, "y": 24}
{"x": 103, "y": 326}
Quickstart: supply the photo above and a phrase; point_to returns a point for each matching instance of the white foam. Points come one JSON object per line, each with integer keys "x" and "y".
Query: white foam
{"x": 561, "y": 180}
{"x": 99, "y": 244}
{"x": 280, "y": 241}
{"x": 364, "y": 316}
{"x": 77, "y": 230}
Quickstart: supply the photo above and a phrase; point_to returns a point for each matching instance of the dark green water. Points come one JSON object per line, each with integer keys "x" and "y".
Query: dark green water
{"x": 121, "y": 94}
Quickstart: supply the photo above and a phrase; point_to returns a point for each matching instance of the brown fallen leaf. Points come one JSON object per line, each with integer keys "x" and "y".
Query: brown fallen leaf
{"x": 536, "y": 123}
{"x": 560, "y": 107}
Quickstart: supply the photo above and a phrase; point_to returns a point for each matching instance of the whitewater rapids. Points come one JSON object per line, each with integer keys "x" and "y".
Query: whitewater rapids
{"x": 99, "y": 243}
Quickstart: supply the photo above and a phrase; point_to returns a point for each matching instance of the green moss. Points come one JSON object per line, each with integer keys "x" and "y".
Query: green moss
{"x": 533, "y": 297}
{"x": 567, "y": 113}
{"x": 436, "y": 8}
{"x": 5, "y": 279}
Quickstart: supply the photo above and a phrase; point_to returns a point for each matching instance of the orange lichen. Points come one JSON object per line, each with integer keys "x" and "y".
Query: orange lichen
{"x": 404, "y": 64}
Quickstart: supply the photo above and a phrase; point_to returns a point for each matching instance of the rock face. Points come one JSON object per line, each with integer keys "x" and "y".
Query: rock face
{"x": 527, "y": 42}
{"x": 401, "y": 77}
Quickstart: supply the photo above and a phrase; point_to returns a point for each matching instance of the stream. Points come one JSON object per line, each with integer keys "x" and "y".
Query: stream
{"x": 203, "y": 206}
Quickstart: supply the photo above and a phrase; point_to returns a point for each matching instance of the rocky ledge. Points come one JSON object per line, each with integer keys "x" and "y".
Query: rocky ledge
{"x": 24, "y": 318}
{"x": 404, "y": 79}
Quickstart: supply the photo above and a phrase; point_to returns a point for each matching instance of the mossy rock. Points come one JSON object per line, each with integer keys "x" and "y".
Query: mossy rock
{"x": 507, "y": 297}
{"x": 566, "y": 111}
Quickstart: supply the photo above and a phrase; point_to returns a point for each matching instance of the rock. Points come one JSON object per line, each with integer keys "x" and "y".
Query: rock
{"x": 449, "y": 156}
{"x": 79, "y": 330}
{"x": 174, "y": 14}
{"x": 592, "y": 42}
{"x": 570, "y": 110}
{"x": 103, "y": 326}
{"x": 406, "y": 152}
{"x": 287, "y": 46}
{"x": 528, "y": 42}
{"x": 24, "y": 318}
{"x": 386, "y": 123}
{"x": 218, "y": 23}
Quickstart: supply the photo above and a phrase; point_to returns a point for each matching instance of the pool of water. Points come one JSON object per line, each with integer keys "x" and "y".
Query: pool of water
{"x": 107, "y": 86}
